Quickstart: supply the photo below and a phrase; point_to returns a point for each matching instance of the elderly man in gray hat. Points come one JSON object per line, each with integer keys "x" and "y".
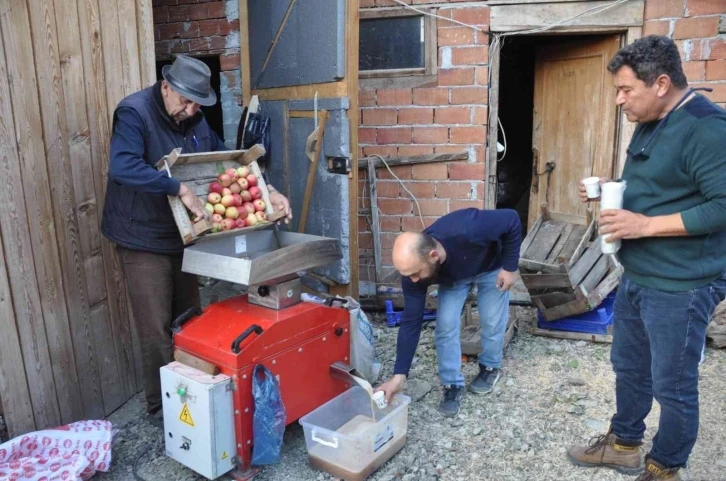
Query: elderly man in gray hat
{"x": 146, "y": 126}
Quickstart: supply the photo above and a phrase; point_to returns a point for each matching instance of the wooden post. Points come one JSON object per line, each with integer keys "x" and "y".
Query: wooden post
{"x": 375, "y": 221}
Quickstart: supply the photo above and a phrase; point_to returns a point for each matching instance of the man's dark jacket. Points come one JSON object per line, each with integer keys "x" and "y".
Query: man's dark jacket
{"x": 136, "y": 213}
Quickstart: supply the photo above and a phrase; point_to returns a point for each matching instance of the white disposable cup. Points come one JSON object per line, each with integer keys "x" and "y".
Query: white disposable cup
{"x": 380, "y": 399}
{"x": 592, "y": 187}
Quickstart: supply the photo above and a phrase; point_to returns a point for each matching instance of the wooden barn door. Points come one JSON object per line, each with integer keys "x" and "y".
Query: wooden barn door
{"x": 574, "y": 121}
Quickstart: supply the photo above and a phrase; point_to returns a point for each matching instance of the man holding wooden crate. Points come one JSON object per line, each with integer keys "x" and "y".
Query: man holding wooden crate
{"x": 466, "y": 248}
{"x": 148, "y": 125}
{"x": 673, "y": 231}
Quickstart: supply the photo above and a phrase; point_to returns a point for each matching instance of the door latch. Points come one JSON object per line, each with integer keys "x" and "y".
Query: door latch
{"x": 339, "y": 165}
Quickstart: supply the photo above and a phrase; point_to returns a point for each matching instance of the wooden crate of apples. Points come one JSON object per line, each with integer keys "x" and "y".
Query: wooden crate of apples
{"x": 235, "y": 200}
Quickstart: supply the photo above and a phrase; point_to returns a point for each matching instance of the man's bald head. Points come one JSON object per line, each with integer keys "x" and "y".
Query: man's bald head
{"x": 416, "y": 255}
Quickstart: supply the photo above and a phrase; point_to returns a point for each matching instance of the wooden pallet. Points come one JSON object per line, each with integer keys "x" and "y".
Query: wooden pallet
{"x": 555, "y": 239}
{"x": 575, "y": 290}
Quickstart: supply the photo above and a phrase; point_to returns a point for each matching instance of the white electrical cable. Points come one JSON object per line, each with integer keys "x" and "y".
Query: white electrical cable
{"x": 504, "y": 137}
{"x": 420, "y": 216}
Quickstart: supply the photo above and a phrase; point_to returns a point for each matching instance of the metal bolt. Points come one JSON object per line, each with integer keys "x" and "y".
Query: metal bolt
{"x": 274, "y": 362}
{"x": 249, "y": 442}
{"x": 236, "y": 412}
{"x": 346, "y": 330}
{"x": 325, "y": 339}
{"x": 234, "y": 377}
{"x": 247, "y": 410}
{"x": 346, "y": 358}
{"x": 239, "y": 445}
{"x": 299, "y": 350}
{"x": 244, "y": 376}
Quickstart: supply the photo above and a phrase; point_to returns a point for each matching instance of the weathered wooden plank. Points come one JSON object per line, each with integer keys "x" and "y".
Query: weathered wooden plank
{"x": 375, "y": 223}
{"x": 569, "y": 218}
{"x": 568, "y": 250}
{"x": 17, "y": 408}
{"x": 416, "y": 159}
{"x": 129, "y": 38}
{"x": 572, "y": 308}
{"x": 596, "y": 274}
{"x": 530, "y": 235}
{"x": 227, "y": 157}
{"x": 585, "y": 263}
{"x": 533, "y": 266}
{"x": 147, "y": 55}
{"x": 605, "y": 287}
{"x": 507, "y": 18}
{"x": 67, "y": 232}
{"x": 546, "y": 281}
{"x": 583, "y": 243}
{"x": 559, "y": 246}
{"x": 572, "y": 336}
{"x": 544, "y": 241}
{"x": 99, "y": 126}
{"x": 29, "y": 224}
{"x": 553, "y": 299}
{"x": 193, "y": 361}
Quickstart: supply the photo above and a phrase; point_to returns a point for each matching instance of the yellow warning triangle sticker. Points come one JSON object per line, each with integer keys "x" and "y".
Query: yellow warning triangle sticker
{"x": 224, "y": 455}
{"x": 186, "y": 416}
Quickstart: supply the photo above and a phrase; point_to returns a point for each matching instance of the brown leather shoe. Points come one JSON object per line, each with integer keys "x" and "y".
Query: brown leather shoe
{"x": 609, "y": 451}
{"x": 657, "y": 472}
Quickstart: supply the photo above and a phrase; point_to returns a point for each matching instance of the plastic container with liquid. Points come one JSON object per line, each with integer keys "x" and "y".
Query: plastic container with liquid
{"x": 349, "y": 437}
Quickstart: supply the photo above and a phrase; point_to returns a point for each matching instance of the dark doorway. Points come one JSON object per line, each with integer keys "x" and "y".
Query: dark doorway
{"x": 213, "y": 114}
{"x": 516, "y": 104}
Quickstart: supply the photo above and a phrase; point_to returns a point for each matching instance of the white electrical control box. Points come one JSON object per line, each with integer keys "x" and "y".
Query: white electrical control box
{"x": 198, "y": 419}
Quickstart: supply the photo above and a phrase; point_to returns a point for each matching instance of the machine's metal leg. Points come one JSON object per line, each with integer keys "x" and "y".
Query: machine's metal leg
{"x": 243, "y": 474}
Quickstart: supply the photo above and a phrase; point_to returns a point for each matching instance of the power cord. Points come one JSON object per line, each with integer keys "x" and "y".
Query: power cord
{"x": 420, "y": 216}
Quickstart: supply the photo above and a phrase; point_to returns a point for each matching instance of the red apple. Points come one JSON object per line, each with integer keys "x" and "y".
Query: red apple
{"x": 237, "y": 199}
{"x": 209, "y": 208}
{"x": 246, "y": 195}
{"x": 243, "y": 183}
{"x": 249, "y": 207}
{"x": 217, "y": 187}
{"x": 231, "y": 213}
{"x": 219, "y": 209}
{"x": 235, "y": 188}
{"x": 232, "y": 174}
{"x": 243, "y": 171}
{"x": 226, "y": 191}
{"x": 216, "y": 226}
{"x": 252, "y": 179}
{"x": 255, "y": 192}
{"x": 251, "y": 219}
{"x": 228, "y": 200}
{"x": 217, "y": 218}
{"x": 259, "y": 205}
{"x": 224, "y": 179}
{"x": 214, "y": 198}
{"x": 228, "y": 224}
{"x": 261, "y": 216}
{"x": 239, "y": 223}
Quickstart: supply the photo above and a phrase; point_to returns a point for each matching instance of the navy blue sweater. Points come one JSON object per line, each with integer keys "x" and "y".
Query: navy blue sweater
{"x": 475, "y": 241}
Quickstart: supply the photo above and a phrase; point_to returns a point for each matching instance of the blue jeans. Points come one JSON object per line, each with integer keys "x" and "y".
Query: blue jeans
{"x": 493, "y": 306}
{"x": 658, "y": 340}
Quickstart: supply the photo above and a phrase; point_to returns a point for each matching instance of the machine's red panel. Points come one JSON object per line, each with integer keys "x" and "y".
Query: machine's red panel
{"x": 297, "y": 344}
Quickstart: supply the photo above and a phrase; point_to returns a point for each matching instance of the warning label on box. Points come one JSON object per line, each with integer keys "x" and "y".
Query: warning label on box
{"x": 186, "y": 416}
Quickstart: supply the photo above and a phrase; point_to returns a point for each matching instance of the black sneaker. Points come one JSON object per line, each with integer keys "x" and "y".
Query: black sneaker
{"x": 485, "y": 381}
{"x": 451, "y": 403}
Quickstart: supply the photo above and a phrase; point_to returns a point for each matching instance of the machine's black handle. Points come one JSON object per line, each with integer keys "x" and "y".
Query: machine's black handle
{"x": 330, "y": 300}
{"x": 184, "y": 317}
{"x": 253, "y": 328}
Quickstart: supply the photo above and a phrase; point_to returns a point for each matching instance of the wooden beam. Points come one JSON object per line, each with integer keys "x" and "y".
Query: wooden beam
{"x": 375, "y": 223}
{"x": 508, "y": 18}
{"x": 490, "y": 176}
{"x": 299, "y": 92}
{"x": 572, "y": 336}
{"x": 193, "y": 361}
{"x": 417, "y": 159}
{"x": 244, "y": 52}
{"x": 147, "y": 55}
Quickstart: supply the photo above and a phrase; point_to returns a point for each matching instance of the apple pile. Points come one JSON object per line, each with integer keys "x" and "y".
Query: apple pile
{"x": 235, "y": 200}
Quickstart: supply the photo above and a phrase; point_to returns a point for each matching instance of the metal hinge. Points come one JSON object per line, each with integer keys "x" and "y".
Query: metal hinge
{"x": 232, "y": 386}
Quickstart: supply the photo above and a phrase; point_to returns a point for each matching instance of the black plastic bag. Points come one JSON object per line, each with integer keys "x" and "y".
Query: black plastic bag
{"x": 268, "y": 423}
{"x": 257, "y": 131}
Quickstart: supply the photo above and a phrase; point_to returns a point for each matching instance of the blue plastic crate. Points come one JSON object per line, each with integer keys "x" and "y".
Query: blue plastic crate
{"x": 596, "y": 321}
{"x": 393, "y": 318}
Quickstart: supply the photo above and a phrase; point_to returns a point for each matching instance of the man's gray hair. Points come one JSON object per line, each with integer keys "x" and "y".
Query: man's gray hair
{"x": 650, "y": 57}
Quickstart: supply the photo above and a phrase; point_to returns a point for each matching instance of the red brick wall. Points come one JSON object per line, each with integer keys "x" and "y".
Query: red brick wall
{"x": 449, "y": 116}
{"x": 698, "y": 27}
{"x": 203, "y": 28}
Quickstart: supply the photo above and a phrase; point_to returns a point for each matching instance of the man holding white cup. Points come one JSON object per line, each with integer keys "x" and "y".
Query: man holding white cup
{"x": 672, "y": 226}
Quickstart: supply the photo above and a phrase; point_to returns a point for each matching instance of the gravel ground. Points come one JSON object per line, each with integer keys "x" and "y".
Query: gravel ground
{"x": 552, "y": 394}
